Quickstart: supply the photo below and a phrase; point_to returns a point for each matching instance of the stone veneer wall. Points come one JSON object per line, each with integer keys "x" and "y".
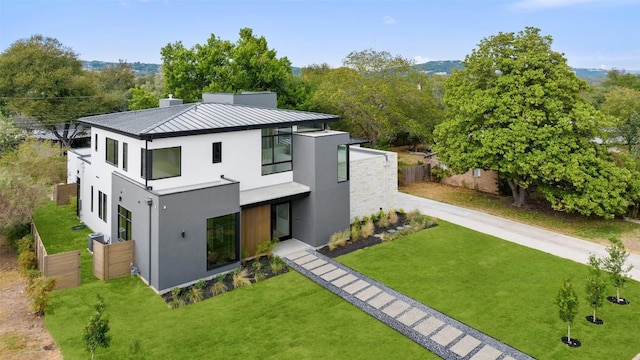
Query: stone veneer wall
{"x": 373, "y": 177}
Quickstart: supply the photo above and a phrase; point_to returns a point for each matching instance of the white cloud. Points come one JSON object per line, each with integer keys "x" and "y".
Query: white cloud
{"x": 388, "y": 20}
{"x": 420, "y": 59}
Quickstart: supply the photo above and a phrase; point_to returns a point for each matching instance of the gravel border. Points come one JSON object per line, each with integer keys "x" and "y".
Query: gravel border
{"x": 443, "y": 351}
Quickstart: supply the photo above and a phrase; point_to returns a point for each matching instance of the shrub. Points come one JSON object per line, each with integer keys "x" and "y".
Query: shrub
{"x": 95, "y": 333}
{"x": 27, "y": 261}
{"x": 201, "y": 284}
{"x": 241, "y": 278}
{"x": 40, "y": 294}
{"x": 256, "y": 266}
{"x": 368, "y": 229}
{"x": 195, "y": 295}
{"x": 277, "y": 265}
{"x": 176, "y": 298}
{"x": 219, "y": 287}
{"x": 32, "y": 276}
{"x": 339, "y": 239}
{"x": 393, "y": 217}
{"x": 383, "y": 220}
{"x": 26, "y": 243}
{"x": 355, "y": 231}
{"x": 258, "y": 276}
{"x": 16, "y": 231}
{"x": 266, "y": 247}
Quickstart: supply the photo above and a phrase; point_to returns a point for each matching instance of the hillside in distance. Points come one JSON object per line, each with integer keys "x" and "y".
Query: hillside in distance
{"x": 440, "y": 67}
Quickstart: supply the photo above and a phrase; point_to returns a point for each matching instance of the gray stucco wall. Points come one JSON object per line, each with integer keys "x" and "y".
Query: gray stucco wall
{"x": 326, "y": 209}
{"x": 173, "y": 260}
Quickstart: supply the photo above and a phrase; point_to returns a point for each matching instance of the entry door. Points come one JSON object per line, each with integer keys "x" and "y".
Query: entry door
{"x": 281, "y": 221}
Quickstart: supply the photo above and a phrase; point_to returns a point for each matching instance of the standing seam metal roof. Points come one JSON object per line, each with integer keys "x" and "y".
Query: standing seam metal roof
{"x": 179, "y": 120}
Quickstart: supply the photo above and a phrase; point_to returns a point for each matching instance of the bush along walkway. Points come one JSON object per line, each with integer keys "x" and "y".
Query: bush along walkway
{"x": 440, "y": 334}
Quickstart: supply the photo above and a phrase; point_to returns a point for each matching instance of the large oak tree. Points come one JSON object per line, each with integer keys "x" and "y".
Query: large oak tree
{"x": 43, "y": 80}
{"x": 517, "y": 109}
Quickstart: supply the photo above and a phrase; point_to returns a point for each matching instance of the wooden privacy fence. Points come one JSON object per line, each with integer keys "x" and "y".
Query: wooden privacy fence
{"x": 64, "y": 266}
{"x": 62, "y": 193}
{"x": 112, "y": 261}
{"x": 414, "y": 174}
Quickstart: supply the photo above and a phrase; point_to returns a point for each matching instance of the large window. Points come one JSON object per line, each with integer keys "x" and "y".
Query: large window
{"x": 102, "y": 206}
{"x": 343, "y": 163}
{"x": 124, "y": 224}
{"x": 112, "y": 152}
{"x": 222, "y": 241}
{"x": 276, "y": 150}
{"x": 165, "y": 163}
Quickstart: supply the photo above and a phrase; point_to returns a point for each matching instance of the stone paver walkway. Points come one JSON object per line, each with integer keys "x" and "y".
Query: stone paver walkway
{"x": 440, "y": 334}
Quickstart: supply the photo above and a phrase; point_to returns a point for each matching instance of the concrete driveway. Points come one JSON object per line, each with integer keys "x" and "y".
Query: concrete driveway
{"x": 544, "y": 240}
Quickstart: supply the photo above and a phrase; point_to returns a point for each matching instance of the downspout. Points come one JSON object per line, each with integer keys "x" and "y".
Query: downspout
{"x": 149, "y": 202}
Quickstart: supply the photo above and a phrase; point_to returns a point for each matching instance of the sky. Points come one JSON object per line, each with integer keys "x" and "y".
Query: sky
{"x": 601, "y": 34}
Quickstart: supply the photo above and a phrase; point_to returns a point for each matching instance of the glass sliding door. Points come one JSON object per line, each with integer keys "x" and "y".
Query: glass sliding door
{"x": 281, "y": 221}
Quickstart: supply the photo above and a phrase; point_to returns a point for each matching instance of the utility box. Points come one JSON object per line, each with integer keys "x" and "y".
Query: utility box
{"x": 99, "y": 237}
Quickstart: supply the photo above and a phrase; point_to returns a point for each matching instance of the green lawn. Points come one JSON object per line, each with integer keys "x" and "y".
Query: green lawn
{"x": 503, "y": 289}
{"x": 286, "y": 317}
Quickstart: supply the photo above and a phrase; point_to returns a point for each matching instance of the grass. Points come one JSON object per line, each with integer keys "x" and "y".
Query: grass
{"x": 541, "y": 215}
{"x": 54, "y": 225}
{"x": 503, "y": 289}
{"x": 286, "y": 317}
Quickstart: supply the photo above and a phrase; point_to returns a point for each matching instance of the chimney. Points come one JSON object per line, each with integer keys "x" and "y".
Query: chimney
{"x": 170, "y": 101}
{"x": 262, "y": 98}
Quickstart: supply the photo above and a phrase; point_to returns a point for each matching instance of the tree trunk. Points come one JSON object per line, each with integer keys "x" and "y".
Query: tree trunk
{"x": 520, "y": 195}
{"x": 594, "y": 313}
{"x": 569, "y": 333}
{"x": 618, "y": 294}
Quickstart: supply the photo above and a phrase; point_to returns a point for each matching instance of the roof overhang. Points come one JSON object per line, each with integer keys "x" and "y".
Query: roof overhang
{"x": 274, "y": 193}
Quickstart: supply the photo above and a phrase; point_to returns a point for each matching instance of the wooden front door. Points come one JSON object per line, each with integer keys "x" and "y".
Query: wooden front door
{"x": 256, "y": 227}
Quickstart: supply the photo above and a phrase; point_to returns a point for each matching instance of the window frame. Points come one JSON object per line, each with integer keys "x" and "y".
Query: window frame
{"x": 273, "y": 136}
{"x": 216, "y": 149}
{"x": 111, "y": 152}
{"x": 124, "y": 215}
{"x": 214, "y": 228}
{"x": 102, "y": 206}
{"x": 345, "y": 164}
{"x": 125, "y": 156}
{"x": 147, "y": 162}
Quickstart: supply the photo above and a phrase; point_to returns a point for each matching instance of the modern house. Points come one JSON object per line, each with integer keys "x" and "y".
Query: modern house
{"x": 197, "y": 186}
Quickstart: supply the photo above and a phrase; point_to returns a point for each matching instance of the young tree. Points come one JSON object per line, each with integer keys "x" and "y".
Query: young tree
{"x": 96, "y": 331}
{"x": 517, "y": 108}
{"x": 567, "y": 302}
{"x": 10, "y": 135}
{"x": 595, "y": 286}
{"x": 624, "y": 105}
{"x": 614, "y": 264}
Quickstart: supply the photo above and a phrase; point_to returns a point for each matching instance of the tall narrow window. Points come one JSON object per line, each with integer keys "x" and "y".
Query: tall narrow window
{"x": 143, "y": 163}
{"x": 102, "y": 206}
{"x": 112, "y": 151}
{"x": 124, "y": 224}
{"x": 125, "y": 156}
{"x": 343, "y": 163}
{"x": 276, "y": 150}
{"x": 217, "y": 152}
{"x": 95, "y": 142}
{"x": 91, "y": 198}
{"x": 222, "y": 241}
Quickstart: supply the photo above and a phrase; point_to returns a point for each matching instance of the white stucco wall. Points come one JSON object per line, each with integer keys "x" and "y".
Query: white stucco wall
{"x": 373, "y": 177}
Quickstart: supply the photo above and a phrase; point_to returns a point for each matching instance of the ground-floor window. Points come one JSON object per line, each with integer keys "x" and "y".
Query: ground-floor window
{"x": 102, "y": 206}
{"x": 222, "y": 241}
{"x": 124, "y": 224}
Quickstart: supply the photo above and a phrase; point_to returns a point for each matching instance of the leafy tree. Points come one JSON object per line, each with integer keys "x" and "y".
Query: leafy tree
{"x": 114, "y": 82}
{"x": 10, "y": 135}
{"x": 614, "y": 264}
{"x": 621, "y": 78}
{"x": 219, "y": 65}
{"x": 624, "y": 104}
{"x": 517, "y": 109}
{"x": 141, "y": 98}
{"x": 595, "y": 285}
{"x": 378, "y": 96}
{"x": 44, "y": 80}
{"x": 567, "y": 302}
{"x": 95, "y": 333}
{"x": 26, "y": 175}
